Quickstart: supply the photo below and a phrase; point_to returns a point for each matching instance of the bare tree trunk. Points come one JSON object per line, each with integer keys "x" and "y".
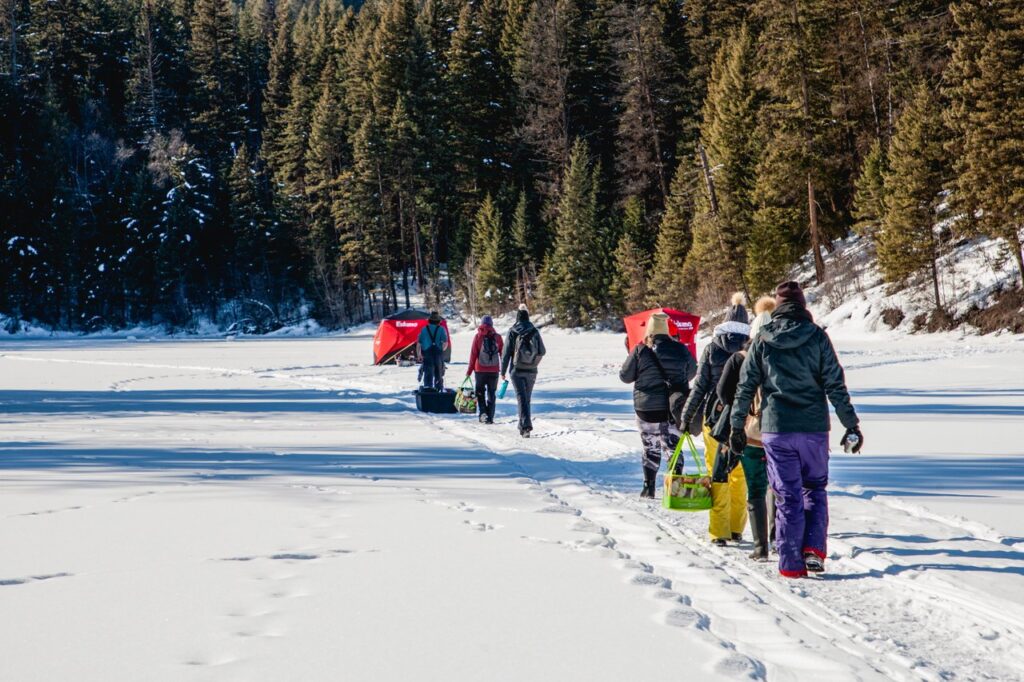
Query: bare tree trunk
{"x": 868, "y": 71}
{"x": 1019, "y": 252}
{"x": 151, "y": 59}
{"x": 709, "y": 181}
{"x": 935, "y": 283}
{"x": 890, "y": 118}
{"x": 812, "y": 204}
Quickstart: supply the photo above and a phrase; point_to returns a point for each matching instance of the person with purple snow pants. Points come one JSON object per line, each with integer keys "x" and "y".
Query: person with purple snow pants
{"x": 794, "y": 364}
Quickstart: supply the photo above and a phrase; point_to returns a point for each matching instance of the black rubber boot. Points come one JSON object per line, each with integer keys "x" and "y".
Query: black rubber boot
{"x": 758, "y": 512}
{"x": 649, "y": 478}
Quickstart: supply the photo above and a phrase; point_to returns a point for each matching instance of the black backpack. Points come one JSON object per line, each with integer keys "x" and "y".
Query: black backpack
{"x": 527, "y": 355}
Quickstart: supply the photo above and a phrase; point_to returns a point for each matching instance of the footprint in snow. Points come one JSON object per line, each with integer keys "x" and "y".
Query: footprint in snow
{"x": 650, "y": 580}
{"x": 588, "y": 526}
{"x": 686, "y": 617}
{"x": 559, "y": 509}
{"x": 482, "y": 527}
{"x": 740, "y": 667}
{"x": 669, "y": 595}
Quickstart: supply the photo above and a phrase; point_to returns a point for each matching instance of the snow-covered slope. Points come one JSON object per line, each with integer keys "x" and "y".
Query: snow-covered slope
{"x": 277, "y": 509}
{"x": 857, "y": 301}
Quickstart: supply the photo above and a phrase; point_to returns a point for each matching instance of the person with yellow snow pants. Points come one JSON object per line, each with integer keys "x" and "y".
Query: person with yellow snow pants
{"x": 728, "y": 485}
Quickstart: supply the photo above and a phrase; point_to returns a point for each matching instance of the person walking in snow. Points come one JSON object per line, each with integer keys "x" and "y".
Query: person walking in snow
{"x": 660, "y": 369}
{"x": 728, "y": 487}
{"x": 524, "y": 349}
{"x": 433, "y": 341}
{"x": 485, "y": 360}
{"x": 760, "y": 501}
{"x": 793, "y": 363}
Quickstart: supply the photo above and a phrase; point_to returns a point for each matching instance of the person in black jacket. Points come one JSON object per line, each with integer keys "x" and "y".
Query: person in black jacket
{"x": 524, "y": 350}
{"x": 760, "y": 500}
{"x": 660, "y": 370}
{"x": 728, "y": 488}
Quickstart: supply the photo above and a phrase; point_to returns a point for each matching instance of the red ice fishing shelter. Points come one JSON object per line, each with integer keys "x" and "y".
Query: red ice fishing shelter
{"x": 681, "y": 325}
{"x": 397, "y": 335}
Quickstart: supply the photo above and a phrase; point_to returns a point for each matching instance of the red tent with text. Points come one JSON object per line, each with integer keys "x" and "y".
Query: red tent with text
{"x": 682, "y": 325}
{"x": 397, "y": 334}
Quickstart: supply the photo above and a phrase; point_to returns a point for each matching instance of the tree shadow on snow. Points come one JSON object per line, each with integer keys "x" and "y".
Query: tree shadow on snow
{"x": 927, "y": 476}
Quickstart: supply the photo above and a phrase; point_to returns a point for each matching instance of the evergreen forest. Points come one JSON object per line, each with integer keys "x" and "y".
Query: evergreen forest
{"x": 170, "y": 161}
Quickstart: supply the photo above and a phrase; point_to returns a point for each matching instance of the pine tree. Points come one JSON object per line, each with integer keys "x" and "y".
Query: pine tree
{"x": 526, "y": 250}
{"x": 543, "y": 71}
{"x": 632, "y": 262}
{"x": 796, "y": 42}
{"x": 326, "y": 156}
{"x": 648, "y": 102}
{"x": 870, "y": 198}
{"x": 907, "y": 242}
{"x": 256, "y": 36}
{"x": 666, "y": 286}
{"x": 489, "y": 255}
{"x": 251, "y": 225}
{"x": 277, "y": 92}
{"x": 217, "y": 98}
{"x": 59, "y": 36}
{"x": 186, "y": 278}
{"x": 516, "y": 14}
{"x": 778, "y": 233}
{"x": 734, "y": 147}
{"x": 479, "y": 86}
{"x": 158, "y": 71}
{"x": 575, "y": 273}
{"x": 987, "y": 105}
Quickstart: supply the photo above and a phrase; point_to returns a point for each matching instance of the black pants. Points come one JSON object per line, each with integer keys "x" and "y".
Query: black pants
{"x": 433, "y": 368}
{"x": 523, "y": 383}
{"x": 486, "y": 387}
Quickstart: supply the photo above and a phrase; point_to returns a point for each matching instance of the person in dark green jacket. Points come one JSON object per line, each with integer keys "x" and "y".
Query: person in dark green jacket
{"x": 794, "y": 364}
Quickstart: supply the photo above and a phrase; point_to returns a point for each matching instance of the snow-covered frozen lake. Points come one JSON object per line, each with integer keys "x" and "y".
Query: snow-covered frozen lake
{"x": 278, "y": 510}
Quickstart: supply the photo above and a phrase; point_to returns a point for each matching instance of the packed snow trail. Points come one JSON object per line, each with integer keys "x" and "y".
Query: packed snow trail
{"x": 269, "y": 510}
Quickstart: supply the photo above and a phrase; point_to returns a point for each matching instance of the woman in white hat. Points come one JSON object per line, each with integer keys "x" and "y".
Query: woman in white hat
{"x": 660, "y": 370}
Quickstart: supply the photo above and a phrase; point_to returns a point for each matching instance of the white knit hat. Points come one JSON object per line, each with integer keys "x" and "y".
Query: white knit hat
{"x": 759, "y": 321}
{"x": 657, "y": 324}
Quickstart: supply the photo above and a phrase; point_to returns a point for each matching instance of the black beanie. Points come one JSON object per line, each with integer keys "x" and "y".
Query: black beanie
{"x": 737, "y": 312}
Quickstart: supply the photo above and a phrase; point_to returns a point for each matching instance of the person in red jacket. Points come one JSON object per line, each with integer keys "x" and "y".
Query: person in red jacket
{"x": 485, "y": 360}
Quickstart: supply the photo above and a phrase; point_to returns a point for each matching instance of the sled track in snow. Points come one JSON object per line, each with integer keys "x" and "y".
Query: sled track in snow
{"x": 896, "y": 652}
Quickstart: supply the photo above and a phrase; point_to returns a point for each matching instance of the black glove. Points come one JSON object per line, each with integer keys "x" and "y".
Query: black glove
{"x": 856, "y": 437}
{"x": 737, "y": 441}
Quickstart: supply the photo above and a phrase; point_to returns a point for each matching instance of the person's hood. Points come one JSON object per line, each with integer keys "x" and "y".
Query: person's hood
{"x": 730, "y": 336}
{"x": 485, "y": 329}
{"x": 522, "y": 326}
{"x": 787, "y": 332}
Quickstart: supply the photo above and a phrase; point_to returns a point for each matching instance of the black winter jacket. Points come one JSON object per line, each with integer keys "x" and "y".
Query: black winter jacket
{"x": 728, "y": 338}
{"x": 730, "y": 378}
{"x": 650, "y": 392}
{"x": 517, "y": 330}
{"x": 794, "y": 363}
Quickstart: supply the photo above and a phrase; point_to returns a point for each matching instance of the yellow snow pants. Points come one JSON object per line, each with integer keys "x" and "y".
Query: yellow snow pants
{"x": 728, "y": 500}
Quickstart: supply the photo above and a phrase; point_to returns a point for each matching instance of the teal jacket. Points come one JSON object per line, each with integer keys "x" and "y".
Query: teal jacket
{"x": 439, "y": 334}
{"x": 794, "y": 364}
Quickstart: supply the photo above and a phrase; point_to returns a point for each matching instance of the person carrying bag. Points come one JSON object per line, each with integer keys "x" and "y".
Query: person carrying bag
{"x": 660, "y": 370}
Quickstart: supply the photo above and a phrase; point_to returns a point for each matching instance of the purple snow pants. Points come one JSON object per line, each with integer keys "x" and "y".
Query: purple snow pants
{"x": 798, "y": 472}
